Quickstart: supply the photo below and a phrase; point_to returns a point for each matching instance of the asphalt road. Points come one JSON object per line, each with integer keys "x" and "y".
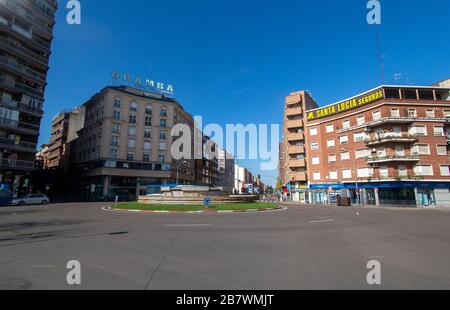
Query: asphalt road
{"x": 300, "y": 248}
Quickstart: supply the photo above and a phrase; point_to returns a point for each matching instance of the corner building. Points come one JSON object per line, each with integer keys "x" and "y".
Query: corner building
{"x": 388, "y": 146}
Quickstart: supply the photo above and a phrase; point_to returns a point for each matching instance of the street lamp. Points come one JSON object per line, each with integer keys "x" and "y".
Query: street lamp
{"x": 178, "y": 168}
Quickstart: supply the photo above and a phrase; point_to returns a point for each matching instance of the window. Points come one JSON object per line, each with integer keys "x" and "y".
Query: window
{"x": 314, "y": 146}
{"x": 162, "y": 146}
{"x": 381, "y": 152}
{"x": 334, "y": 175}
{"x": 376, "y": 115}
{"x": 365, "y": 172}
{"x": 423, "y": 170}
{"x": 147, "y": 133}
{"x": 146, "y": 157}
{"x": 162, "y": 135}
{"x": 345, "y": 156}
{"x": 133, "y": 118}
{"x": 412, "y": 113}
{"x": 116, "y": 128}
{"x": 316, "y": 176}
{"x": 395, "y": 112}
{"x": 316, "y": 160}
{"x": 313, "y": 131}
{"x": 133, "y": 107}
{"x": 115, "y": 141}
{"x": 163, "y": 112}
{"x": 360, "y": 136}
{"x": 361, "y": 120}
{"x": 331, "y": 143}
{"x": 346, "y": 174}
{"x": 330, "y": 128}
{"x": 147, "y": 146}
{"x": 116, "y": 115}
{"x": 384, "y": 172}
{"x": 332, "y": 158}
{"x": 399, "y": 150}
{"x": 114, "y": 153}
{"x": 346, "y": 124}
{"x": 430, "y": 113}
{"x": 402, "y": 171}
{"x": 131, "y": 131}
{"x": 421, "y": 149}
{"x": 446, "y": 113}
{"x": 362, "y": 153}
{"x": 439, "y": 131}
{"x": 445, "y": 171}
{"x": 343, "y": 139}
{"x": 162, "y": 158}
{"x": 418, "y": 130}
{"x": 117, "y": 102}
{"x": 148, "y": 121}
{"x": 149, "y": 110}
{"x": 131, "y": 143}
{"x": 442, "y": 150}
{"x": 130, "y": 156}
{"x": 163, "y": 123}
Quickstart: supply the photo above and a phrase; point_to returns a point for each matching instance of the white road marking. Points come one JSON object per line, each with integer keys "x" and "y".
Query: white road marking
{"x": 322, "y": 221}
{"x": 187, "y": 225}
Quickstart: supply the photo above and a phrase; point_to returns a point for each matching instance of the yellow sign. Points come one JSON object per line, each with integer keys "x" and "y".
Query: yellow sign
{"x": 346, "y": 105}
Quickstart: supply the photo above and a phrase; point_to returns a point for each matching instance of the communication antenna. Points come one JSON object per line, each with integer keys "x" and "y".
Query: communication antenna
{"x": 380, "y": 60}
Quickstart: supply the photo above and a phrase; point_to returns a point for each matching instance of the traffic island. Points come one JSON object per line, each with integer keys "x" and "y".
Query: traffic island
{"x": 176, "y": 208}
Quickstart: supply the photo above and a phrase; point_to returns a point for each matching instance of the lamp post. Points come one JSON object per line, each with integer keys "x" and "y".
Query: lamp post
{"x": 178, "y": 168}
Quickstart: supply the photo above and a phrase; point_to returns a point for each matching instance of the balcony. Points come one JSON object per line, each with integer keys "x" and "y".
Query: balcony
{"x": 27, "y": 36}
{"x": 293, "y": 150}
{"x": 30, "y": 110}
{"x": 297, "y": 176}
{"x": 295, "y": 136}
{"x": 8, "y": 103}
{"x": 293, "y": 99}
{"x": 392, "y": 158}
{"x": 297, "y": 163}
{"x": 294, "y": 112}
{"x": 14, "y": 47}
{"x": 15, "y": 9}
{"x": 18, "y": 146}
{"x": 382, "y": 139}
{"x": 16, "y": 164}
{"x": 294, "y": 124}
{"x": 30, "y": 128}
{"x": 21, "y": 69}
{"x": 42, "y": 9}
{"x": 20, "y": 88}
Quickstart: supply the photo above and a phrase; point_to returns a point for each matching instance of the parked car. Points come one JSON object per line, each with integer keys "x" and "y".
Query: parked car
{"x": 33, "y": 199}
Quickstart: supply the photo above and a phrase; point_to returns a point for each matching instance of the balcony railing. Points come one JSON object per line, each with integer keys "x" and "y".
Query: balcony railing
{"x": 21, "y": 87}
{"x": 391, "y": 158}
{"x": 6, "y": 122}
{"x": 404, "y": 137}
{"x": 29, "y": 109}
{"x": 296, "y": 150}
{"x": 42, "y": 8}
{"x": 28, "y": 126}
{"x": 33, "y": 39}
{"x": 27, "y": 52}
{"x": 13, "y": 163}
{"x": 294, "y": 124}
{"x": 35, "y": 21}
{"x": 23, "y": 69}
{"x": 9, "y": 143}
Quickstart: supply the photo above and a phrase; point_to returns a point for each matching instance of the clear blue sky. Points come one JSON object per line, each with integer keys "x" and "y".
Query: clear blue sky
{"x": 235, "y": 61}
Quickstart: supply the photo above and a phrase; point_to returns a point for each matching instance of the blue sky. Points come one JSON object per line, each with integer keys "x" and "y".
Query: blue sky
{"x": 235, "y": 61}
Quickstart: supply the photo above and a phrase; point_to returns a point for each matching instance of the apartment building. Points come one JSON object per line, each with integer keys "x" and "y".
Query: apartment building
{"x": 26, "y": 28}
{"x": 387, "y": 146}
{"x": 226, "y": 171}
{"x": 293, "y": 163}
{"x": 125, "y": 145}
{"x": 65, "y": 127}
{"x": 206, "y": 162}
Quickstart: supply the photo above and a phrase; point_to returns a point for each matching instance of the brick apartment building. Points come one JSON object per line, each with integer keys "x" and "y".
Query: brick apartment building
{"x": 292, "y": 163}
{"x": 389, "y": 145}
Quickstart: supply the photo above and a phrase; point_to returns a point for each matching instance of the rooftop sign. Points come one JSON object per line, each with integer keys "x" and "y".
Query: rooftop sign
{"x": 144, "y": 83}
{"x": 345, "y": 106}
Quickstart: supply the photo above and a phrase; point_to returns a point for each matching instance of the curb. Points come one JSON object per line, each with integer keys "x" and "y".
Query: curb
{"x": 110, "y": 209}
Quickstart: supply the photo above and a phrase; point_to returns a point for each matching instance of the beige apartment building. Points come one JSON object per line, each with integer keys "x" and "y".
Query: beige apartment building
{"x": 293, "y": 164}
{"x": 26, "y": 29}
{"x": 125, "y": 145}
